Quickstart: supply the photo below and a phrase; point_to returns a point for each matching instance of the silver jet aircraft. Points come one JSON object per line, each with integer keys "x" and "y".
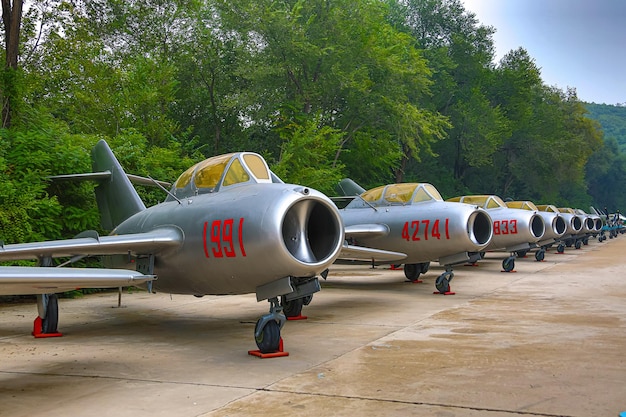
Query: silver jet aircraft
{"x": 555, "y": 226}
{"x": 513, "y": 229}
{"x": 573, "y": 222}
{"x": 413, "y": 219}
{"x": 228, "y": 226}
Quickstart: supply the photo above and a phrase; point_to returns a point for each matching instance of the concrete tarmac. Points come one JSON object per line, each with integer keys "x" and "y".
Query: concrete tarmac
{"x": 546, "y": 340}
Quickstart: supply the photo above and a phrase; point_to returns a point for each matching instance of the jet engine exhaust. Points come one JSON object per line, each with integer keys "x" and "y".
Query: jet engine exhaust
{"x": 480, "y": 228}
{"x": 312, "y": 231}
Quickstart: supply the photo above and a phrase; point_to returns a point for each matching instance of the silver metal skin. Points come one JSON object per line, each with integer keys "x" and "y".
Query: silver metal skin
{"x": 426, "y": 230}
{"x": 514, "y": 229}
{"x": 555, "y": 223}
{"x": 239, "y": 239}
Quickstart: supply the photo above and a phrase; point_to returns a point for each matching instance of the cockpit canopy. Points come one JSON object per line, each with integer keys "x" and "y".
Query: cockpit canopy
{"x": 524, "y": 205}
{"x": 222, "y": 171}
{"x": 549, "y": 208}
{"x": 398, "y": 194}
{"x": 484, "y": 201}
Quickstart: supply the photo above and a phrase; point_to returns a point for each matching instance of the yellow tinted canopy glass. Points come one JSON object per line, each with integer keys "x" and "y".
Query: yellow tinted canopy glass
{"x": 236, "y": 174}
{"x": 399, "y": 193}
{"x": 210, "y": 171}
{"x": 373, "y": 195}
{"x": 257, "y": 166}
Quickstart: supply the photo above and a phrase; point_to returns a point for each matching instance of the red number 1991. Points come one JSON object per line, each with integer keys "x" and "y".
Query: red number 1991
{"x": 220, "y": 236}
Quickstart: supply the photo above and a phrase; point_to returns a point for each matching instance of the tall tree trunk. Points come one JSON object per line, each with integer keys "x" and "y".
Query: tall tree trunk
{"x": 12, "y": 19}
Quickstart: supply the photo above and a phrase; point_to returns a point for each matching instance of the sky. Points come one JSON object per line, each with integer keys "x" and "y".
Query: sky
{"x": 575, "y": 43}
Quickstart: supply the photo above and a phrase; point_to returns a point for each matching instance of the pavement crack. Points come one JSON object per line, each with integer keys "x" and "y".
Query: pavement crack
{"x": 418, "y": 403}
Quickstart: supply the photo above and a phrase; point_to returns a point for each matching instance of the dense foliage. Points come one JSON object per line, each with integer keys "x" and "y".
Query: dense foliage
{"x": 401, "y": 90}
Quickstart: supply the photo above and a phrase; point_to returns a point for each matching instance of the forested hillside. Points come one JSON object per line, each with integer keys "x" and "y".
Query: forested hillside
{"x": 613, "y": 121}
{"x": 377, "y": 91}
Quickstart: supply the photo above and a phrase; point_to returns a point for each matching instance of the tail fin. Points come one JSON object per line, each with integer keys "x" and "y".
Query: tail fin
{"x": 117, "y": 198}
{"x": 349, "y": 188}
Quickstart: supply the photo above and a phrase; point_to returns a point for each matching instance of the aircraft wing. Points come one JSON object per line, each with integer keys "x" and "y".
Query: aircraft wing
{"x": 16, "y": 280}
{"x": 351, "y": 252}
{"x": 137, "y": 243}
{"x": 366, "y": 230}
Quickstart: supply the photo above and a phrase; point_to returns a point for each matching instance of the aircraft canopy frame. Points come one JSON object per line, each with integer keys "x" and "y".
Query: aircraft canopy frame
{"x": 213, "y": 173}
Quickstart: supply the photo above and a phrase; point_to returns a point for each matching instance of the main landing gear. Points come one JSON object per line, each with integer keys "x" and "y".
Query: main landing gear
{"x": 442, "y": 283}
{"x": 47, "y": 321}
{"x": 413, "y": 271}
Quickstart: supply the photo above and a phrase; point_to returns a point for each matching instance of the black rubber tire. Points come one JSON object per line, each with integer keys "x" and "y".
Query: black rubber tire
{"x": 508, "y": 264}
{"x": 442, "y": 284}
{"x": 578, "y": 244}
{"x": 560, "y": 248}
{"x": 424, "y": 267}
{"x": 269, "y": 339}
{"x": 540, "y": 255}
{"x": 51, "y": 323}
{"x": 412, "y": 271}
{"x": 292, "y": 308}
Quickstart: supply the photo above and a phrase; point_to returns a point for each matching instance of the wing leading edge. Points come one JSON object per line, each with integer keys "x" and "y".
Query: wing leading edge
{"x": 137, "y": 243}
{"x": 21, "y": 280}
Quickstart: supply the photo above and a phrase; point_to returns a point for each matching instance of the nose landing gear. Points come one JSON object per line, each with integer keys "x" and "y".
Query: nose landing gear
{"x": 267, "y": 332}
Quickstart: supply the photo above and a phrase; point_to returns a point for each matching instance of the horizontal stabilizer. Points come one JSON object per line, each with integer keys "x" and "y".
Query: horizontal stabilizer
{"x": 21, "y": 280}
{"x": 105, "y": 175}
{"x": 360, "y": 253}
{"x": 368, "y": 231}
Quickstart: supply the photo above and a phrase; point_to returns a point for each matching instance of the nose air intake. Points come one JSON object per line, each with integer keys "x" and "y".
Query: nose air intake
{"x": 311, "y": 231}
{"x": 559, "y": 225}
{"x": 537, "y": 226}
{"x": 480, "y": 228}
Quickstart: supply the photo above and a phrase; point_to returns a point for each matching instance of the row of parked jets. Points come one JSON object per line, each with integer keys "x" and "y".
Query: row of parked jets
{"x": 229, "y": 225}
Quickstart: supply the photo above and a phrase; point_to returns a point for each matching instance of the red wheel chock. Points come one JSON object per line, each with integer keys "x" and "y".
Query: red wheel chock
{"x": 279, "y": 353}
{"x": 37, "y": 330}
{"x": 417, "y": 281}
{"x": 444, "y": 293}
{"x": 300, "y": 317}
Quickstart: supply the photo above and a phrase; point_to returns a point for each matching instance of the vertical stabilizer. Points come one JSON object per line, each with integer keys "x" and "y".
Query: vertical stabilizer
{"x": 117, "y": 198}
{"x": 349, "y": 188}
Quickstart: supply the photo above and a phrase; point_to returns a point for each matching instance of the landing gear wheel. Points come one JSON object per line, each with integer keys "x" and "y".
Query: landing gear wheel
{"x": 521, "y": 253}
{"x": 412, "y": 271}
{"x": 578, "y": 244}
{"x": 508, "y": 264}
{"x": 560, "y": 248}
{"x": 442, "y": 283}
{"x": 268, "y": 339}
{"x": 424, "y": 267}
{"x": 292, "y": 308}
{"x": 586, "y": 241}
{"x": 51, "y": 322}
{"x": 540, "y": 255}
{"x": 307, "y": 300}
